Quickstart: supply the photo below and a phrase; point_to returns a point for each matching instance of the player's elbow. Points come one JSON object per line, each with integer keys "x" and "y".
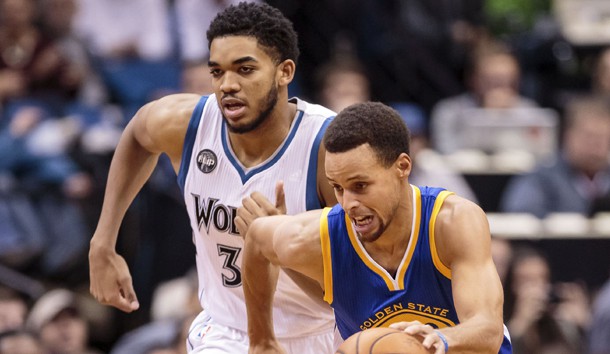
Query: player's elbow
{"x": 260, "y": 240}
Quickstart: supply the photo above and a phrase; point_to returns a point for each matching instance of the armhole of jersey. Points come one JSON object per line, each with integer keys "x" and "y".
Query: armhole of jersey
{"x": 326, "y": 256}
{"x": 189, "y": 141}
{"x": 313, "y": 198}
{"x": 446, "y": 271}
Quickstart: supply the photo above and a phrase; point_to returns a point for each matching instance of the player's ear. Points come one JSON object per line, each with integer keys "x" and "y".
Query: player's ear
{"x": 403, "y": 165}
{"x": 285, "y": 72}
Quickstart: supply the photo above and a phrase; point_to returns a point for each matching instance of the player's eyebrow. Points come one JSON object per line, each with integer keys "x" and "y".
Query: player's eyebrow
{"x": 349, "y": 179}
{"x": 236, "y": 61}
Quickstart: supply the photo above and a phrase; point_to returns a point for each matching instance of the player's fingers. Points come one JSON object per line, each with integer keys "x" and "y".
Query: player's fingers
{"x": 431, "y": 341}
{"x": 241, "y": 225}
{"x": 440, "y": 349}
{"x": 128, "y": 300}
{"x": 263, "y": 206}
{"x": 404, "y": 325}
{"x": 280, "y": 197}
{"x": 251, "y": 205}
{"x": 419, "y": 330}
{"x": 244, "y": 211}
{"x": 399, "y": 325}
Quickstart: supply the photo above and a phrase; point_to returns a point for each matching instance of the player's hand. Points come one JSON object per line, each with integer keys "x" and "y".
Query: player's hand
{"x": 430, "y": 337}
{"x": 272, "y": 347}
{"x": 257, "y": 205}
{"x": 110, "y": 279}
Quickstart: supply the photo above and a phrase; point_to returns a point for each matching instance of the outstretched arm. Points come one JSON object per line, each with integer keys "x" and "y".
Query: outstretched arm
{"x": 462, "y": 238}
{"x": 277, "y": 241}
{"x": 158, "y": 127}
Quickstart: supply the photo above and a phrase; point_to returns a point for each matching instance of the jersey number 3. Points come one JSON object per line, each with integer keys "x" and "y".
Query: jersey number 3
{"x": 232, "y": 278}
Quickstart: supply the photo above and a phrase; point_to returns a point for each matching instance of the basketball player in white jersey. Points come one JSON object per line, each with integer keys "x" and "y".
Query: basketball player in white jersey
{"x": 243, "y": 139}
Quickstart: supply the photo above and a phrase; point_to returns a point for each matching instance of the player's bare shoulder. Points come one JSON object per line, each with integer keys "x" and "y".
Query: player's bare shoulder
{"x": 455, "y": 206}
{"x": 460, "y": 225}
{"x": 161, "y": 124}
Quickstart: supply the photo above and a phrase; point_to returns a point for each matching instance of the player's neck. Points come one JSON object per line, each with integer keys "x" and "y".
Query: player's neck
{"x": 389, "y": 249}
{"x": 255, "y": 147}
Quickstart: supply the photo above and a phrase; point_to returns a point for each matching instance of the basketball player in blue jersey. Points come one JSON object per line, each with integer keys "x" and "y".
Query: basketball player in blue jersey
{"x": 227, "y": 147}
{"x": 389, "y": 254}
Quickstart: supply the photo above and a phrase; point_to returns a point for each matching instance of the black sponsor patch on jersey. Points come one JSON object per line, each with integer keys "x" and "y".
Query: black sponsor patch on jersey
{"x": 206, "y": 161}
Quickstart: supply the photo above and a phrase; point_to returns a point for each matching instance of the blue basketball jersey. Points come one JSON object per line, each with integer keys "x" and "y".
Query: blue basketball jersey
{"x": 364, "y": 295}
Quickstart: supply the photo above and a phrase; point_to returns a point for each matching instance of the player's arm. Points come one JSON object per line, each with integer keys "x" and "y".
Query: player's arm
{"x": 277, "y": 241}
{"x": 462, "y": 239}
{"x": 464, "y": 243}
{"x": 158, "y": 127}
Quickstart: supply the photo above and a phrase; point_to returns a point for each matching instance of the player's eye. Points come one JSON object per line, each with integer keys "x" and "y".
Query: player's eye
{"x": 246, "y": 69}
{"x": 361, "y": 186}
{"x": 215, "y": 73}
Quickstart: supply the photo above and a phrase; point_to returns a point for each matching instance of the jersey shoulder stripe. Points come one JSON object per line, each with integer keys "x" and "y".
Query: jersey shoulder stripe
{"x": 313, "y": 201}
{"x": 189, "y": 141}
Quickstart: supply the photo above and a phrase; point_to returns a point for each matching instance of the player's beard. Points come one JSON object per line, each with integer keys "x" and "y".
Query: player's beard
{"x": 374, "y": 236}
{"x": 268, "y": 104}
{"x": 380, "y": 230}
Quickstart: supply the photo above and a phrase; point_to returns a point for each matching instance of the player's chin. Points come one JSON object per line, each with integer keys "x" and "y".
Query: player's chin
{"x": 370, "y": 235}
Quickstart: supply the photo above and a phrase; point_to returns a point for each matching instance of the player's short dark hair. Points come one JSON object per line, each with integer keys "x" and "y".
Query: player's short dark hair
{"x": 370, "y": 122}
{"x": 265, "y": 23}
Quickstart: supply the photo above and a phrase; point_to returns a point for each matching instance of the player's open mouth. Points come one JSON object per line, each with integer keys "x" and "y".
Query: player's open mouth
{"x": 233, "y": 109}
{"x": 362, "y": 221}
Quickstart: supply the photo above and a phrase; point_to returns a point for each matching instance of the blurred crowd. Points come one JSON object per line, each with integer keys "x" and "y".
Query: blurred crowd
{"x": 73, "y": 72}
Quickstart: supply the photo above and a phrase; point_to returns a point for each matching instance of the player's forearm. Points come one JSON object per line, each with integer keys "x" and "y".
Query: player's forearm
{"x": 476, "y": 335}
{"x": 130, "y": 168}
{"x": 260, "y": 280}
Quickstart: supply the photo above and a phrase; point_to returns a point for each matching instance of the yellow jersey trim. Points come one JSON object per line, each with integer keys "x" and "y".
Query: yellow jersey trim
{"x": 326, "y": 257}
{"x": 442, "y": 268}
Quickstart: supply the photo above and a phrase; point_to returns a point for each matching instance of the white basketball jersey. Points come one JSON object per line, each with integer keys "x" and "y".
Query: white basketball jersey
{"x": 214, "y": 183}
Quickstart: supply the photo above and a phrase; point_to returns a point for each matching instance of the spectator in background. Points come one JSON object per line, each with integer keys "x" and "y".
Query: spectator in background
{"x": 22, "y": 233}
{"x": 112, "y": 33}
{"x": 31, "y": 67}
{"x": 162, "y": 349}
{"x": 13, "y": 310}
{"x": 51, "y": 183}
{"x": 58, "y": 23}
{"x": 34, "y": 89}
{"x": 429, "y": 167}
{"x": 136, "y": 59}
{"x": 57, "y": 318}
{"x": 196, "y": 78}
{"x": 578, "y": 179}
{"x": 342, "y": 82}
{"x": 502, "y": 255}
{"x": 601, "y": 74}
{"x": 599, "y": 333}
{"x": 492, "y": 82}
{"x": 163, "y": 335}
{"x": 542, "y": 317}
{"x": 20, "y": 341}
{"x": 175, "y": 304}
